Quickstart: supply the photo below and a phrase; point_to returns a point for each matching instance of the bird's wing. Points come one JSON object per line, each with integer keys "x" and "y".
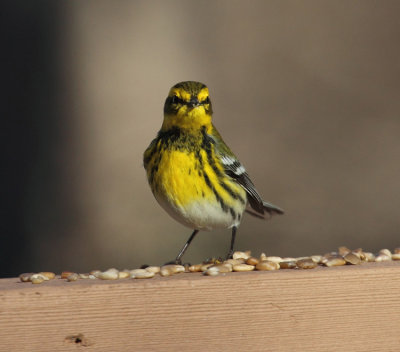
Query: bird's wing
{"x": 236, "y": 170}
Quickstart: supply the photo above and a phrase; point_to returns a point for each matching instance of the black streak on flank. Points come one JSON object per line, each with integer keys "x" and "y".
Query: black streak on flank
{"x": 224, "y": 207}
{"x": 207, "y": 143}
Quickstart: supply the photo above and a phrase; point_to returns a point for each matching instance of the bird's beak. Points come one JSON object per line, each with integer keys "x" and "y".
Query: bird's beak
{"x": 193, "y": 103}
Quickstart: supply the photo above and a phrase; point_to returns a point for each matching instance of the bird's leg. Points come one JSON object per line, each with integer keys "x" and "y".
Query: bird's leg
{"x": 229, "y": 255}
{"x": 184, "y": 248}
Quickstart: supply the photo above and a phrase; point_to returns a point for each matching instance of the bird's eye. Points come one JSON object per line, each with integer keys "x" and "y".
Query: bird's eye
{"x": 176, "y": 100}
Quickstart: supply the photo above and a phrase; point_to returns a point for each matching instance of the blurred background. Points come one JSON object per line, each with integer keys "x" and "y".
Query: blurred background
{"x": 307, "y": 94}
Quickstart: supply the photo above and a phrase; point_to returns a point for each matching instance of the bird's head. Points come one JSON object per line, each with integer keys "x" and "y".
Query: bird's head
{"x": 187, "y": 106}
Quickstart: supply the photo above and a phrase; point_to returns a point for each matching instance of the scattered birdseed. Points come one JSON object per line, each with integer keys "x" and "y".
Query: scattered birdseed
{"x": 153, "y": 269}
{"x": 352, "y": 258}
{"x": 235, "y": 261}
{"x": 171, "y": 269}
{"x": 212, "y": 271}
{"x": 65, "y": 274}
{"x": 26, "y": 277}
{"x": 288, "y": 264}
{"x": 343, "y": 251}
{"x": 204, "y": 267}
{"x": 138, "y": 272}
{"x": 267, "y": 265}
{"x": 73, "y": 277}
{"x": 195, "y": 268}
{"x": 143, "y": 274}
{"x": 252, "y": 261}
{"x": 385, "y": 252}
{"x": 241, "y": 261}
{"x": 334, "y": 261}
{"x": 316, "y": 258}
{"x": 85, "y": 276}
{"x": 243, "y": 255}
{"x": 222, "y": 268}
{"x": 383, "y": 258}
{"x": 369, "y": 257}
{"x": 38, "y": 278}
{"x": 125, "y": 274}
{"x": 273, "y": 259}
{"x": 306, "y": 263}
{"x": 49, "y": 275}
{"x": 110, "y": 274}
{"x": 242, "y": 267}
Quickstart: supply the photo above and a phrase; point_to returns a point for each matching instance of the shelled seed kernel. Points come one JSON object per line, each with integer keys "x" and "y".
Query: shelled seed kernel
{"x": 287, "y": 264}
{"x": 235, "y": 261}
{"x": 222, "y": 268}
{"x": 288, "y": 259}
{"x": 36, "y": 280}
{"x": 125, "y": 274}
{"x": 352, "y": 258}
{"x": 385, "y": 251}
{"x": 195, "y": 268}
{"x": 137, "y": 272}
{"x": 110, "y": 274}
{"x": 73, "y": 277}
{"x": 25, "y": 277}
{"x": 267, "y": 265}
{"x": 153, "y": 269}
{"x": 171, "y": 269}
{"x": 65, "y": 274}
{"x": 316, "y": 258}
{"x": 141, "y": 274}
{"x": 359, "y": 253}
{"x": 306, "y": 263}
{"x": 334, "y": 261}
{"x": 396, "y": 250}
{"x": 204, "y": 267}
{"x": 218, "y": 268}
{"x": 273, "y": 259}
{"x": 212, "y": 271}
{"x": 383, "y": 258}
{"x": 244, "y": 255}
{"x": 369, "y": 257}
{"x": 49, "y": 275}
{"x": 396, "y": 256}
{"x": 252, "y": 261}
{"x": 343, "y": 250}
{"x": 95, "y": 272}
{"x": 84, "y": 275}
{"x": 242, "y": 267}
{"x": 263, "y": 256}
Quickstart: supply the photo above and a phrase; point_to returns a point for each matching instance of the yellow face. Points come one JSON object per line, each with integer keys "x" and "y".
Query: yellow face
{"x": 187, "y": 106}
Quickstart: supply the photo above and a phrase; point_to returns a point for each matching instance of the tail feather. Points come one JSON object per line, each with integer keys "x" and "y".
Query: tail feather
{"x": 268, "y": 210}
{"x": 272, "y": 209}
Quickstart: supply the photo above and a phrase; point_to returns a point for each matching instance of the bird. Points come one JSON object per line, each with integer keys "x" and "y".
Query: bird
{"x": 193, "y": 174}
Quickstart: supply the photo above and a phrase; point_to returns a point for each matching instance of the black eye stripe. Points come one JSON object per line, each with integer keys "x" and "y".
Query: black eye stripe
{"x": 176, "y": 100}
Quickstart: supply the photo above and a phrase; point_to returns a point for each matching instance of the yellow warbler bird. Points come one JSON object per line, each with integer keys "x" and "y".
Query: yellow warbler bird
{"x": 193, "y": 174}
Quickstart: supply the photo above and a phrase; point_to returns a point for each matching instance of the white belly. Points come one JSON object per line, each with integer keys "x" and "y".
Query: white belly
{"x": 201, "y": 214}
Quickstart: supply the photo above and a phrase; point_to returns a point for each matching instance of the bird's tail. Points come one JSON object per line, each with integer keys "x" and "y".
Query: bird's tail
{"x": 269, "y": 208}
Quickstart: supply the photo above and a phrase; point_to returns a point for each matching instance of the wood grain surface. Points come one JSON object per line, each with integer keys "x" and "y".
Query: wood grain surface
{"x": 346, "y": 308}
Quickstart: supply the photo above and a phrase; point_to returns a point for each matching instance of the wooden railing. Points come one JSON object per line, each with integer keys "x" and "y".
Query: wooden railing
{"x": 348, "y": 308}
